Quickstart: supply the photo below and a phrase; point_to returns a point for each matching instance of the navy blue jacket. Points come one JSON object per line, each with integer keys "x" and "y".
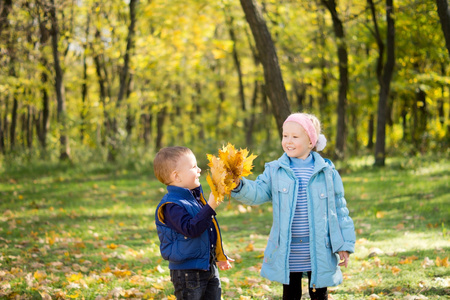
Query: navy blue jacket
{"x": 186, "y": 252}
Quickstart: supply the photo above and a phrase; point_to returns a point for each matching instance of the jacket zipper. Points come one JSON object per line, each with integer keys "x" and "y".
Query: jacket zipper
{"x": 313, "y": 278}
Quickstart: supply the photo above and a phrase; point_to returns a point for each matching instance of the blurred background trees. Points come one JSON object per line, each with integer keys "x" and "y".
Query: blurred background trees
{"x": 106, "y": 80}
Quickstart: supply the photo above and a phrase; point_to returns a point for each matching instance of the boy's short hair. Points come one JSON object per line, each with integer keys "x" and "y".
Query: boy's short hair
{"x": 166, "y": 160}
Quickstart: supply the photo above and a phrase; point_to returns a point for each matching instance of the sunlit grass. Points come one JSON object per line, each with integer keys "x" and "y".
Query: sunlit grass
{"x": 73, "y": 232}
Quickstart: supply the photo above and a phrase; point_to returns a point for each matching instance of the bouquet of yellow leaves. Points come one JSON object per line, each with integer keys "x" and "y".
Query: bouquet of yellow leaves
{"x": 226, "y": 169}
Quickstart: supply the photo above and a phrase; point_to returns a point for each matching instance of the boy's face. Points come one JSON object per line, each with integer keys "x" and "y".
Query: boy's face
{"x": 187, "y": 174}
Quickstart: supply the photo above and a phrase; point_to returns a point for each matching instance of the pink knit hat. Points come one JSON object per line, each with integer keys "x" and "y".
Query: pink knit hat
{"x": 317, "y": 141}
{"x": 306, "y": 123}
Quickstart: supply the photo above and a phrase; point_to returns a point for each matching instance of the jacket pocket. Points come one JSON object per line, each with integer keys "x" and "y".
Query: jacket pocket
{"x": 270, "y": 252}
{"x": 186, "y": 248}
{"x": 322, "y": 194}
{"x": 332, "y": 258}
{"x": 284, "y": 199}
{"x": 284, "y": 187}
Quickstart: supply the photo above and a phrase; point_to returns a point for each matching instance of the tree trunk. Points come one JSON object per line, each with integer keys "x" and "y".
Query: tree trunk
{"x": 42, "y": 120}
{"x": 5, "y": 8}
{"x": 269, "y": 59}
{"x": 130, "y": 121}
{"x": 441, "y": 113}
{"x": 2, "y": 136}
{"x": 146, "y": 120}
{"x": 160, "y": 118}
{"x": 43, "y": 124}
{"x": 419, "y": 120}
{"x": 385, "y": 82}
{"x": 59, "y": 87}
{"x": 371, "y": 131}
{"x": 257, "y": 89}
{"x": 324, "y": 106}
{"x": 444, "y": 17}
{"x": 338, "y": 27}
{"x": 252, "y": 119}
{"x": 198, "y": 110}
{"x": 248, "y": 119}
{"x": 29, "y": 127}
{"x": 404, "y": 114}
{"x": 237, "y": 62}
{"x": 84, "y": 86}
{"x": 123, "y": 78}
{"x": 104, "y": 89}
{"x": 12, "y": 133}
{"x": 221, "y": 87}
{"x": 5, "y": 125}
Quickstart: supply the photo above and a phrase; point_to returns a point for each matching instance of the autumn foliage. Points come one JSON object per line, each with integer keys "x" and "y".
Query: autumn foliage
{"x": 225, "y": 169}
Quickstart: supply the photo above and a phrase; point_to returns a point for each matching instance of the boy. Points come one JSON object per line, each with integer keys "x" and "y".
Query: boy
{"x": 187, "y": 228}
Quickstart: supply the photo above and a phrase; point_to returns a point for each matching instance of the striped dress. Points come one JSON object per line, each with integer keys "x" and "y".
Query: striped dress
{"x": 299, "y": 258}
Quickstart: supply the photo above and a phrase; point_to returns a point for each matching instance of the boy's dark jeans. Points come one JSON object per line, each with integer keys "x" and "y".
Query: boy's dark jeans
{"x": 197, "y": 284}
{"x": 293, "y": 290}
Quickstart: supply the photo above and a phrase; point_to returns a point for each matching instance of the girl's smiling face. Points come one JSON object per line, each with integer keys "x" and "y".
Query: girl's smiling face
{"x": 295, "y": 141}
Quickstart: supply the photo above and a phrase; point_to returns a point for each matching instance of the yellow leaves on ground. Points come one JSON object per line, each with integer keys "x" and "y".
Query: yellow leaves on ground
{"x": 74, "y": 277}
{"x": 442, "y": 262}
{"x": 395, "y": 270}
{"x": 408, "y": 260}
{"x": 121, "y": 273}
{"x": 225, "y": 169}
{"x": 112, "y": 246}
{"x": 380, "y": 214}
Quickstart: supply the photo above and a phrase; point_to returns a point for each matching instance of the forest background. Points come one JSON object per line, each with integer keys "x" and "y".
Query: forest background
{"x": 98, "y": 80}
{"x": 90, "y": 90}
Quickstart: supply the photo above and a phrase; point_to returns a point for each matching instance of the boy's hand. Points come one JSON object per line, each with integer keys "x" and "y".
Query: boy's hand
{"x": 224, "y": 265}
{"x": 343, "y": 255}
{"x": 212, "y": 201}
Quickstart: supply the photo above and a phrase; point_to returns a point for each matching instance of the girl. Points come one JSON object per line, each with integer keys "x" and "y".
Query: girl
{"x": 312, "y": 232}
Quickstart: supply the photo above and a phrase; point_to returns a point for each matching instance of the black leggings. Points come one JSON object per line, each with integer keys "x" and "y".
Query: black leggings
{"x": 293, "y": 290}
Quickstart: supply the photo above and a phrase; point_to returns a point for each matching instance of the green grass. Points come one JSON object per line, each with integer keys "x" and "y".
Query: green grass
{"x": 76, "y": 232}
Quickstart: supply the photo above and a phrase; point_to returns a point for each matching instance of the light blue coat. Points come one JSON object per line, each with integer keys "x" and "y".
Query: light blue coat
{"x": 331, "y": 229}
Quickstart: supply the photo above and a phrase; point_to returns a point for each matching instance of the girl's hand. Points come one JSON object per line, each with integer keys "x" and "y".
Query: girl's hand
{"x": 224, "y": 265}
{"x": 344, "y": 257}
{"x": 237, "y": 181}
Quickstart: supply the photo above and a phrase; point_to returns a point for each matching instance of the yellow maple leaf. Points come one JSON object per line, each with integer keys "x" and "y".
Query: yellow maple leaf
{"x": 112, "y": 246}
{"x": 39, "y": 275}
{"x": 158, "y": 286}
{"x": 405, "y": 261}
{"x": 395, "y": 270}
{"x": 371, "y": 282}
{"x": 74, "y": 296}
{"x": 225, "y": 169}
{"x": 216, "y": 179}
{"x": 250, "y": 247}
{"x": 121, "y": 273}
{"x": 380, "y": 215}
{"x": 74, "y": 277}
{"x": 442, "y": 262}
